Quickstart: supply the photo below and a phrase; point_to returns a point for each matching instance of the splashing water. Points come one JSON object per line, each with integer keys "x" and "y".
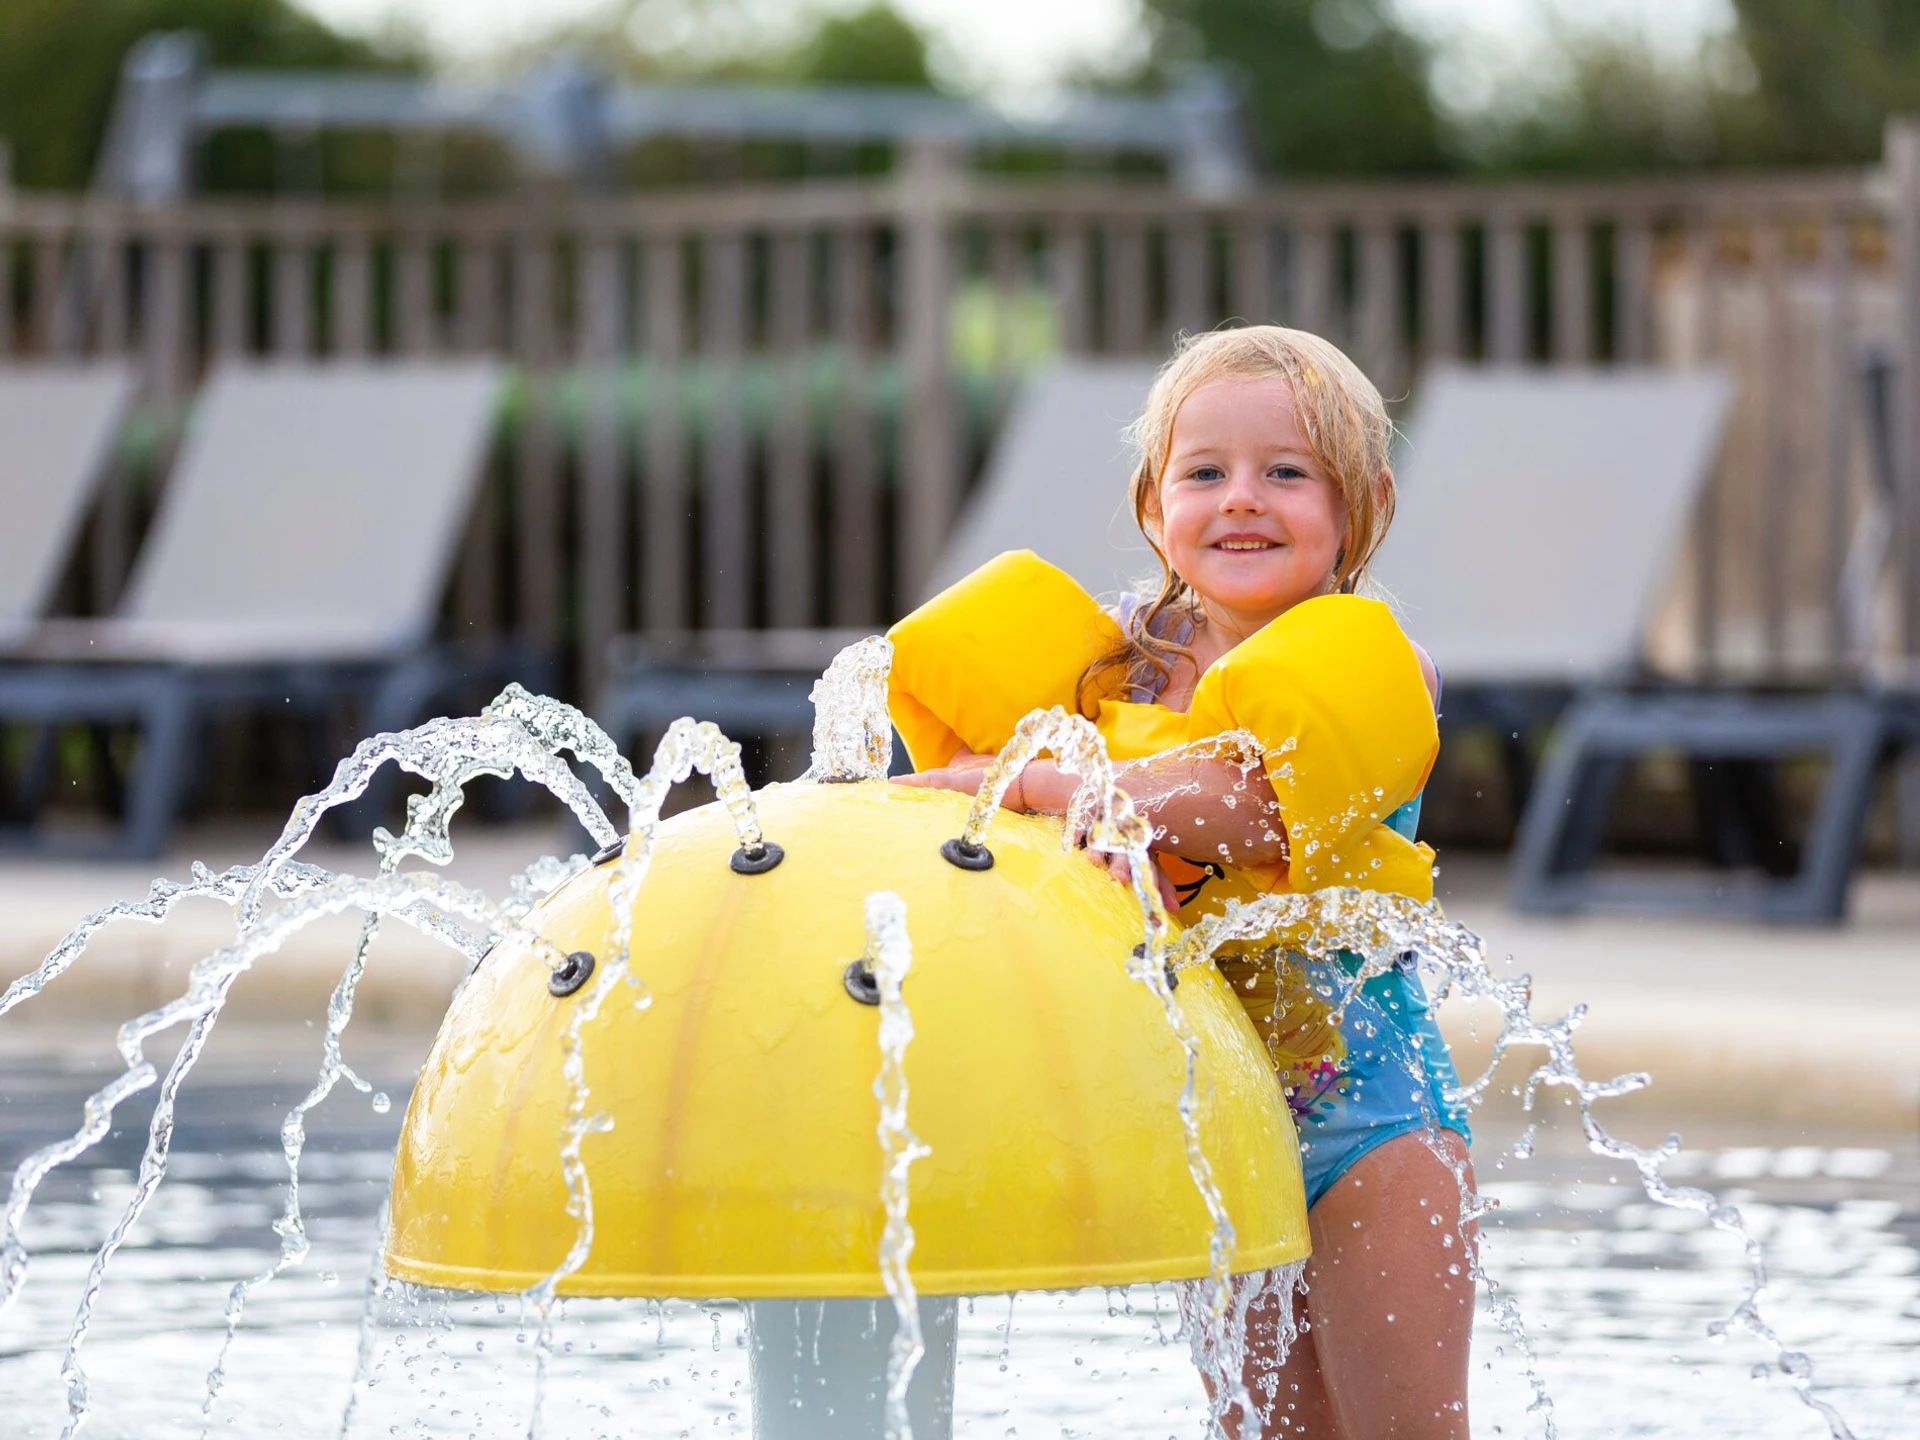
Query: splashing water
{"x": 526, "y": 734}
{"x": 890, "y": 956}
{"x": 852, "y": 731}
{"x": 1382, "y": 928}
{"x": 1104, "y": 815}
{"x": 688, "y": 745}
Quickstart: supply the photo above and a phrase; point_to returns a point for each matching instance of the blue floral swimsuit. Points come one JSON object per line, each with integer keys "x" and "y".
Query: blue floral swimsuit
{"x": 1396, "y": 1075}
{"x": 1360, "y": 1065}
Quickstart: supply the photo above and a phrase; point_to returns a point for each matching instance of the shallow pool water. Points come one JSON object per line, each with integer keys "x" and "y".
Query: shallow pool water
{"x": 1617, "y": 1292}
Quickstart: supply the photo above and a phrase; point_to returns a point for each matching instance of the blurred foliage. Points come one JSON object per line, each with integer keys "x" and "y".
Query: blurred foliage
{"x": 1829, "y": 73}
{"x": 1790, "y": 82}
{"x": 874, "y": 46}
{"x": 1331, "y": 86}
{"x": 732, "y": 40}
{"x": 60, "y": 62}
{"x": 1340, "y": 87}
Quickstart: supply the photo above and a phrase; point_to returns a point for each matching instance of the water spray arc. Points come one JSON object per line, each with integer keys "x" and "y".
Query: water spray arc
{"x": 809, "y": 1048}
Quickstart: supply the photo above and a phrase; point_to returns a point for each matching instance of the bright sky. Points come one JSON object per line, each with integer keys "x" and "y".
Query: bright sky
{"x": 1013, "y": 46}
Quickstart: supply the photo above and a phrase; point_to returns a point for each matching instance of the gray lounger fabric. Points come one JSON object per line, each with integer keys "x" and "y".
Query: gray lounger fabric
{"x": 1540, "y": 511}
{"x": 1057, "y": 480}
{"x": 313, "y": 513}
{"x": 58, "y": 424}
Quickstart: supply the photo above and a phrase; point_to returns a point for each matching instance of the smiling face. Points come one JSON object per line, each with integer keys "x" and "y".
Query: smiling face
{"x": 1246, "y": 514}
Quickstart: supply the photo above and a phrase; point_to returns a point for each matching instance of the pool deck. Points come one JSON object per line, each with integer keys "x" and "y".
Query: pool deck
{"x": 1801, "y": 1031}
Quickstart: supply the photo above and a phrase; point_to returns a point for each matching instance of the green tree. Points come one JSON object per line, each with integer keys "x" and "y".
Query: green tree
{"x": 1790, "y": 82}
{"x": 1333, "y": 87}
{"x": 1829, "y": 73}
{"x": 874, "y": 46}
{"x": 60, "y": 63}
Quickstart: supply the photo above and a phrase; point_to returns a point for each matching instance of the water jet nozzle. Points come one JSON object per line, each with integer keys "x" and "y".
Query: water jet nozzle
{"x": 967, "y": 855}
{"x": 571, "y": 973}
{"x": 1173, "y": 975}
{"x": 756, "y": 859}
{"x": 862, "y": 984}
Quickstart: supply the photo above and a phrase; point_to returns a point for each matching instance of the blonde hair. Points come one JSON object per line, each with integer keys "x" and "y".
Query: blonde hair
{"x": 1347, "y": 429}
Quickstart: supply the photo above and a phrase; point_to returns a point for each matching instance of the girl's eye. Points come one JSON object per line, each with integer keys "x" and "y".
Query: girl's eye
{"x": 1286, "y": 472}
{"x": 1208, "y": 472}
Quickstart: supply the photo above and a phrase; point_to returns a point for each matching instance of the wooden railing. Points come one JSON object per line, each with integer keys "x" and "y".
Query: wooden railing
{"x": 760, "y": 408}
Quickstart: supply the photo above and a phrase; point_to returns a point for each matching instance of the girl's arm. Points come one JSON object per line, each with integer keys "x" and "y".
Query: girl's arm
{"x": 1202, "y": 807}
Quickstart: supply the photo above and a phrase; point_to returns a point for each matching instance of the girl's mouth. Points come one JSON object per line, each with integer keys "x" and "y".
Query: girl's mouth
{"x": 1245, "y": 543}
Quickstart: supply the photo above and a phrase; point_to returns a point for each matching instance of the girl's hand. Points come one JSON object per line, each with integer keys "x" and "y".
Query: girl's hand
{"x": 1120, "y": 866}
{"x": 964, "y": 778}
{"x": 1041, "y": 787}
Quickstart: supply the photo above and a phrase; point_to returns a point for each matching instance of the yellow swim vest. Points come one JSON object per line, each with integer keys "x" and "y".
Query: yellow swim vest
{"x": 1332, "y": 690}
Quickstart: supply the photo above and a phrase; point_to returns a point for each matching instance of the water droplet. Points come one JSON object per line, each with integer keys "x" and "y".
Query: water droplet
{"x": 381, "y": 1104}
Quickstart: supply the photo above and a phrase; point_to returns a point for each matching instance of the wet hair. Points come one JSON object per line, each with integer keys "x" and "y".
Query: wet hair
{"x": 1346, "y": 427}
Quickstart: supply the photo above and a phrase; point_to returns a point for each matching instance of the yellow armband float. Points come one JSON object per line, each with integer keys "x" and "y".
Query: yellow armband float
{"x": 1014, "y": 636}
{"x": 1333, "y": 692}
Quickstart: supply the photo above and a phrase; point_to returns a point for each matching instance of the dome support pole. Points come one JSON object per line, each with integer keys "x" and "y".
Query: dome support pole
{"x": 820, "y": 1368}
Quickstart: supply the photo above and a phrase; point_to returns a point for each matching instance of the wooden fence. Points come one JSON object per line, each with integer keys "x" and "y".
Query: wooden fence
{"x": 761, "y": 407}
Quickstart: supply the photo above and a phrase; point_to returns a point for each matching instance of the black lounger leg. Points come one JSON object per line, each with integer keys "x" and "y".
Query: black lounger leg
{"x": 154, "y": 791}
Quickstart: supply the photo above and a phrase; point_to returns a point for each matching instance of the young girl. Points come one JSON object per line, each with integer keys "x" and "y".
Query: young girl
{"x": 1263, "y": 485}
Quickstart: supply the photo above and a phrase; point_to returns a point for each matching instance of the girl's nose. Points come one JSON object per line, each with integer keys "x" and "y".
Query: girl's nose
{"x": 1242, "y": 493}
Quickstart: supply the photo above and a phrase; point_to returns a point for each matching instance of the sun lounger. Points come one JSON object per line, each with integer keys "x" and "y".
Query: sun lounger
{"x": 297, "y": 558}
{"x": 1057, "y": 481}
{"x": 1541, "y": 513}
{"x": 58, "y": 425}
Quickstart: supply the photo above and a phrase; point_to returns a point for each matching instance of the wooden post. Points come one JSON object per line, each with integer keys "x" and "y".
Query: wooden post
{"x": 44, "y": 266}
{"x": 1572, "y": 291}
{"x": 663, "y": 534}
{"x": 1379, "y": 305}
{"x": 63, "y": 278}
{"x": 231, "y": 312}
{"x": 1311, "y": 285}
{"x": 111, "y": 337}
{"x": 1507, "y": 290}
{"x": 1441, "y": 285}
{"x": 166, "y": 325}
{"x": 538, "y": 455}
{"x": 353, "y": 295}
{"x": 1633, "y": 290}
{"x": 476, "y": 322}
{"x": 791, "y": 571}
{"x": 1004, "y": 258}
{"x": 1252, "y": 292}
{"x": 1842, "y": 397}
{"x": 290, "y": 323}
{"x": 726, "y": 520}
{"x": 602, "y": 516}
{"x": 1705, "y": 244}
{"x": 1903, "y": 167}
{"x": 1072, "y": 272}
{"x": 858, "y": 535}
{"x": 9, "y": 334}
{"x": 1127, "y": 284}
{"x": 416, "y": 330}
{"x": 1775, "y": 478}
{"x": 1188, "y": 294}
{"x": 930, "y": 482}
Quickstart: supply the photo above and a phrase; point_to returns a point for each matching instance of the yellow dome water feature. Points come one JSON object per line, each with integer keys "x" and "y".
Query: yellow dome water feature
{"x": 741, "y": 1160}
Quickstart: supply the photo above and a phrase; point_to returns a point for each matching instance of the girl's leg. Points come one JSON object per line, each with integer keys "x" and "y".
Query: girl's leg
{"x": 1291, "y": 1396}
{"x": 1390, "y": 1296}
